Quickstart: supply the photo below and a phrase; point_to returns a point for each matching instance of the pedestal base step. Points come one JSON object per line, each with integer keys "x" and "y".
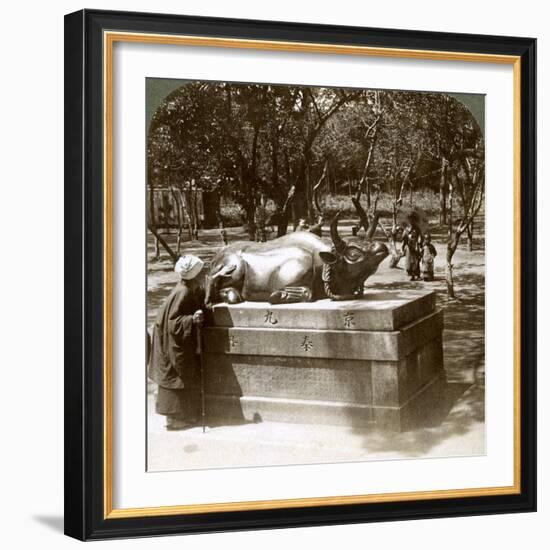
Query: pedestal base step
{"x": 303, "y": 411}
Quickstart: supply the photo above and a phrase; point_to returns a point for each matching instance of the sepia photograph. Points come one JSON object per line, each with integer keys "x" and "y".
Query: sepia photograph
{"x": 315, "y": 274}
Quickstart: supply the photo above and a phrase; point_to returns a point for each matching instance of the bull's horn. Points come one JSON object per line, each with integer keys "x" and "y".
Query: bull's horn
{"x": 339, "y": 244}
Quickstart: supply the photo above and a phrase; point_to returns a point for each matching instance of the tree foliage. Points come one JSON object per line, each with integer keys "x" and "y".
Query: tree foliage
{"x": 270, "y": 142}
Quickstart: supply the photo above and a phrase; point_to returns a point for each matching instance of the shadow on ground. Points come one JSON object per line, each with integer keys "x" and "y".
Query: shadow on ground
{"x": 454, "y": 407}
{"x": 455, "y": 412}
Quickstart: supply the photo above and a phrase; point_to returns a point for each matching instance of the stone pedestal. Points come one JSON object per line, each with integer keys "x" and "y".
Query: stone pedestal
{"x": 353, "y": 363}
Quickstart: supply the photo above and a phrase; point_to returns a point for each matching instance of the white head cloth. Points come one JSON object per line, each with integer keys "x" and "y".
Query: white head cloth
{"x": 188, "y": 266}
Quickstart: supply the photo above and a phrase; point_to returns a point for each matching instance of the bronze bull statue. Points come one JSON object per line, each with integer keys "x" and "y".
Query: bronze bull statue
{"x": 298, "y": 267}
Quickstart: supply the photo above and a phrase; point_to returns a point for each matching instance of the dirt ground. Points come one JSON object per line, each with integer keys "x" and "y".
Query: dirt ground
{"x": 456, "y": 427}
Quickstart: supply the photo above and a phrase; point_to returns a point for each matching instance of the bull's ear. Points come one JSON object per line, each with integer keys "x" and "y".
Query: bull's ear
{"x": 225, "y": 271}
{"x": 328, "y": 257}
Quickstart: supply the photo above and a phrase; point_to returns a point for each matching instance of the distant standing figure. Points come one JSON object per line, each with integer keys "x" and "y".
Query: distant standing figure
{"x": 411, "y": 249}
{"x": 260, "y": 216}
{"x": 223, "y": 234}
{"x": 173, "y": 364}
{"x": 428, "y": 258}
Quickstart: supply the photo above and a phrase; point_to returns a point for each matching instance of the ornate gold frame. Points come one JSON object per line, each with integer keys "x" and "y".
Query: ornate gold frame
{"x": 109, "y": 39}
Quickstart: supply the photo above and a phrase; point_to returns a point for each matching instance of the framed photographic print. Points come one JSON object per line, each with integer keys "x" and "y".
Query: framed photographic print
{"x": 300, "y": 274}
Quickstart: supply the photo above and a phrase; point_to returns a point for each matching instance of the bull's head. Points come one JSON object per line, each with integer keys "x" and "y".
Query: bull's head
{"x": 351, "y": 262}
{"x": 227, "y": 270}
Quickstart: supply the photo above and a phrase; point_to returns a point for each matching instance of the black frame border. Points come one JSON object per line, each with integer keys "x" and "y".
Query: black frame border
{"x": 84, "y": 258}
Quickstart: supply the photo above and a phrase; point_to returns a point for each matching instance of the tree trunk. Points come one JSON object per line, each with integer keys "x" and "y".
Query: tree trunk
{"x": 285, "y": 207}
{"x": 192, "y": 212}
{"x": 211, "y": 208}
{"x": 449, "y": 274}
{"x": 275, "y": 174}
{"x": 396, "y": 253}
{"x": 283, "y": 212}
{"x": 157, "y": 249}
{"x": 250, "y": 224}
{"x": 282, "y": 225}
{"x": 443, "y": 192}
{"x": 300, "y": 206}
{"x": 365, "y": 177}
{"x": 452, "y": 245}
{"x": 179, "y": 216}
{"x": 367, "y": 192}
{"x": 310, "y": 217}
{"x": 470, "y": 236}
{"x": 363, "y": 218}
{"x": 161, "y": 241}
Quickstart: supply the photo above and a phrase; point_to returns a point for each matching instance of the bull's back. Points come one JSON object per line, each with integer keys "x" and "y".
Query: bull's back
{"x": 303, "y": 239}
{"x": 287, "y": 244}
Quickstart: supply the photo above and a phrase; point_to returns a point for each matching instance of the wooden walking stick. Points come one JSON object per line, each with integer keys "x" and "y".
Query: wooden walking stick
{"x": 201, "y": 362}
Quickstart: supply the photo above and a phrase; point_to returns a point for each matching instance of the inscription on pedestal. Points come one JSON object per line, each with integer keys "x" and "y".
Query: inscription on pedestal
{"x": 330, "y": 344}
{"x": 270, "y": 318}
{"x": 349, "y": 321}
{"x": 307, "y": 343}
{"x": 379, "y": 311}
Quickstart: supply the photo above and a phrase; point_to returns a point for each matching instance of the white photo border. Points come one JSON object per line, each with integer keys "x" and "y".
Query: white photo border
{"x": 130, "y": 487}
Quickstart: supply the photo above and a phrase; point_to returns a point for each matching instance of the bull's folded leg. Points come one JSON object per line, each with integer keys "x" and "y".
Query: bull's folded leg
{"x": 291, "y": 295}
{"x": 230, "y": 295}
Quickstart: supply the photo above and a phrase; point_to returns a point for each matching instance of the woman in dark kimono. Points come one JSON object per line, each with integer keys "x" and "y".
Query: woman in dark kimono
{"x": 411, "y": 249}
{"x": 174, "y": 364}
